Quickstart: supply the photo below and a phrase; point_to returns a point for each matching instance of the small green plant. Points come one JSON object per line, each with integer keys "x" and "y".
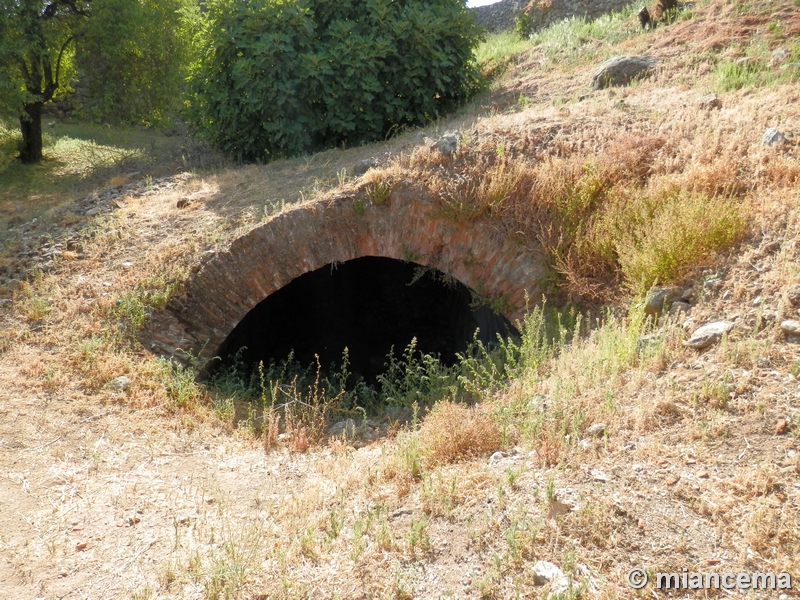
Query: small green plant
{"x": 37, "y": 308}
{"x": 335, "y": 523}
{"x": 131, "y": 311}
{"x": 223, "y": 407}
{"x": 550, "y": 488}
{"x": 359, "y": 206}
{"x": 379, "y": 192}
{"x": 179, "y": 382}
{"x": 418, "y": 537}
{"x": 228, "y": 567}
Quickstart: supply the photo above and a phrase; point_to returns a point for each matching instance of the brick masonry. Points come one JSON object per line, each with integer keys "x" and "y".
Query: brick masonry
{"x": 408, "y": 226}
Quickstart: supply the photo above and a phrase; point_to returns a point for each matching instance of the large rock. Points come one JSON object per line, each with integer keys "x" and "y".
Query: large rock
{"x": 621, "y": 70}
{"x": 709, "y": 334}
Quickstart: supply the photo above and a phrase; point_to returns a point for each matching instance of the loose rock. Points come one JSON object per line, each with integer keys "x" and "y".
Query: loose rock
{"x": 120, "y": 383}
{"x": 781, "y": 427}
{"x": 545, "y": 572}
{"x": 447, "y": 144}
{"x": 621, "y": 70}
{"x": 790, "y": 327}
{"x": 793, "y": 296}
{"x": 772, "y": 136}
{"x": 596, "y": 430}
{"x": 709, "y": 102}
{"x": 709, "y": 334}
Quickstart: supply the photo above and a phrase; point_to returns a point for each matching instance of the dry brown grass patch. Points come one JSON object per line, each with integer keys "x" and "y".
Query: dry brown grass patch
{"x": 453, "y": 432}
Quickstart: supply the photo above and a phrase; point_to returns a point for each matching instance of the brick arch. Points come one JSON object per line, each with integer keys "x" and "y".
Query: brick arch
{"x": 408, "y": 226}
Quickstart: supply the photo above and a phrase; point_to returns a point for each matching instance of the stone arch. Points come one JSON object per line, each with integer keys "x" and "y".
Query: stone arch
{"x": 407, "y": 226}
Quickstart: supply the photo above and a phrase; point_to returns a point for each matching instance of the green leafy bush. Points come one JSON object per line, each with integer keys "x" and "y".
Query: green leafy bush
{"x": 282, "y": 77}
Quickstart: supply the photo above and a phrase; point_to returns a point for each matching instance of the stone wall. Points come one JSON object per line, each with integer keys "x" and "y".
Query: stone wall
{"x": 503, "y": 15}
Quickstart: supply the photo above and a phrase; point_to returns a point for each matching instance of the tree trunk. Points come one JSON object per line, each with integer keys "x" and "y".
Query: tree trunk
{"x": 31, "y": 126}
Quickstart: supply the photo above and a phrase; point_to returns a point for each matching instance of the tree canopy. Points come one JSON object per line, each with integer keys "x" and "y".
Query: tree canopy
{"x": 35, "y": 37}
{"x": 131, "y": 59}
{"x": 282, "y": 77}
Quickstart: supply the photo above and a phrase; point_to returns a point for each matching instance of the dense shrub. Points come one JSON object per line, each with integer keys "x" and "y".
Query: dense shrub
{"x": 282, "y": 77}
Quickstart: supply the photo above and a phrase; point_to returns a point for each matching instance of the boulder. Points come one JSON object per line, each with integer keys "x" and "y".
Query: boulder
{"x": 621, "y": 70}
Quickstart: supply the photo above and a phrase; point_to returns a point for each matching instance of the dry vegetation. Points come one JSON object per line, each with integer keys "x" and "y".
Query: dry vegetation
{"x": 171, "y": 490}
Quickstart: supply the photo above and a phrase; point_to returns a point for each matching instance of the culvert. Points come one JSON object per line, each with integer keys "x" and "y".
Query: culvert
{"x": 409, "y": 229}
{"x": 371, "y": 306}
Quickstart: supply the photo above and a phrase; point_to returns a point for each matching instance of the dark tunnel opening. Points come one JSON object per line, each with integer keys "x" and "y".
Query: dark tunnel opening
{"x": 367, "y": 305}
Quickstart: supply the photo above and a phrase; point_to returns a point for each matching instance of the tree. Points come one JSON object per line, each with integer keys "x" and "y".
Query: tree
{"x": 131, "y": 60}
{"x": 35, "y": 37}
{"x": 283, "y": 77}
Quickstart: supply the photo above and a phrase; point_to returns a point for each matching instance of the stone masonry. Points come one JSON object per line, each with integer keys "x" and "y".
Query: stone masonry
{"x": 503, "y": 15}
{"x": 408, "y": 226}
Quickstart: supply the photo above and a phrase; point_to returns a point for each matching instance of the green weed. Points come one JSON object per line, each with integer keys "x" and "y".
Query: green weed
{"x": 179, "y": 382}
{"x": 578, "y": 39}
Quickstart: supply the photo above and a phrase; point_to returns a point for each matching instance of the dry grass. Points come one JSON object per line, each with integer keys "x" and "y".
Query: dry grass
{"x": 175, "y": 496}
{"x": 621, "y": 215}
{"x": 454, "y": 432}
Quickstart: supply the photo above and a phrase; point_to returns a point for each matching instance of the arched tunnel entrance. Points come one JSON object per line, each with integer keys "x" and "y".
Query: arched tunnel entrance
{"x": 369, "y": 305}
{"x": 242, "y": 293}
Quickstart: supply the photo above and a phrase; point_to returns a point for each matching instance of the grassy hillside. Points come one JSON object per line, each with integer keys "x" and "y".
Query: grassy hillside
{"x": 599, "y": 442}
